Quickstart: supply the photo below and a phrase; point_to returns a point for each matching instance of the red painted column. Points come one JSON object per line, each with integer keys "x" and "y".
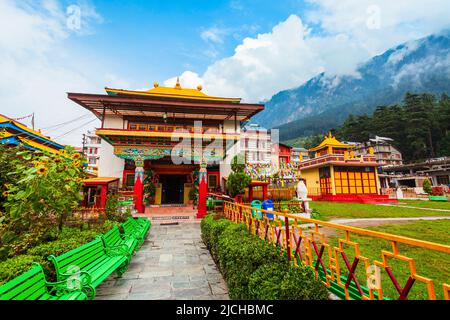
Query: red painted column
{"x": 265, "y": 193}
{"x": 202, "y": 191}
{"x": 250, "y": 193}
{"x": 139, "y": 185}
{"x": 103, "y": 196}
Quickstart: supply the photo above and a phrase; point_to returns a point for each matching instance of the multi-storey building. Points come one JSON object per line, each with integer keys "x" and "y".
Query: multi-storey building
{"x": 385, "y": 153}
{"x": 92, "y": 149}
{"x": 298, "y": 155}
{"x": 171, "y": 132}
{"x": 256, "y": 144}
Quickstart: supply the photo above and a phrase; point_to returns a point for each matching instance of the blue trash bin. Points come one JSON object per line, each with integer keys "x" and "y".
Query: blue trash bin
{"x": 257, "y": 205}
{"x": 268, "y": 205}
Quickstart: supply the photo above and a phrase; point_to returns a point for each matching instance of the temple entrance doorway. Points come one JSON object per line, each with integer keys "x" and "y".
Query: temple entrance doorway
{"x": 172, "y": 188}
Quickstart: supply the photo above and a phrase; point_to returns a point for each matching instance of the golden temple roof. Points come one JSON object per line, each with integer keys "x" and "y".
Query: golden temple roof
{"x": 331, "y": 141}
{"x": 172, "y": 92}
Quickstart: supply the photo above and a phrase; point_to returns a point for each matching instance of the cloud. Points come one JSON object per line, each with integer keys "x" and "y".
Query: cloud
{"x": 188, "y": 79}
{"x": 214, "y": 34}
{"x": 332, "y": 37}
{"x": 37, "y": 70}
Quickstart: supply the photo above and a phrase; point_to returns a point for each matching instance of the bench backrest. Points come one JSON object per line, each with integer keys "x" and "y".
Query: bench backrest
{"x": 130, "y": 225}
{"x": 28, "y": 286}
{"x": 79, "y": 257}
{"x": 112, "y": 237}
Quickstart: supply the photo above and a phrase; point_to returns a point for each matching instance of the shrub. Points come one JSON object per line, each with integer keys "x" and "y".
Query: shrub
{"x": 205, "y": 226}
{"x": 14, "y": 267}
{"x": 427, "y": 188}
{"x": 240, "y": 254}
{"x": 284, "y": 282}
{"x": 255, "y": 269}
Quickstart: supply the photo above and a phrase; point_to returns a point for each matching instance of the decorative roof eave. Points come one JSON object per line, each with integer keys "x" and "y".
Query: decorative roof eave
{"x": 127, "y": 133}
{"x": 28, "y": 136}
{"x": 171, "y": 93}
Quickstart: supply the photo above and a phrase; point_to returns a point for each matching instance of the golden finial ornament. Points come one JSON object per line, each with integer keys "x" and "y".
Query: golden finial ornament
{"x": 156, "y": 84}
{"x": 199, "y": 88}
{"x": 178, "y": 85}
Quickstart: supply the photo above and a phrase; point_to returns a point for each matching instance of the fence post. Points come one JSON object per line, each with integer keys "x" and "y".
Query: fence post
{"x": 287, "y": 235}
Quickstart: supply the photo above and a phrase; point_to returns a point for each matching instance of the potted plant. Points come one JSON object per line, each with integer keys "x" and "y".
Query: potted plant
{"x": 193, "y": 193}
{"x": 237, "y": 180}
{"x": 149, "y": 188}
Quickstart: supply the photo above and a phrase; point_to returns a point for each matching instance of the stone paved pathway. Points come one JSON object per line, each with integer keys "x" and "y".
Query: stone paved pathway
{"x": 172, "y": 264}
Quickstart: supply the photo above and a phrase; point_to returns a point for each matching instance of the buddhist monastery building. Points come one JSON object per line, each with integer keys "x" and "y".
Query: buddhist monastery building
{"x": 335, "y": 173}
{"x": 14, "y": 133}
{"x": 169, "y": 132}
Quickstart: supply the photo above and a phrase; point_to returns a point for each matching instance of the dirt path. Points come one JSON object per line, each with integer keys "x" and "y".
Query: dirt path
{"x": 370, "y": 222}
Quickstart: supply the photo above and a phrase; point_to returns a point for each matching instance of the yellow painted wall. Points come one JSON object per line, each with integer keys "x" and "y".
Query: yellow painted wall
{"x": 158, "y": 194}
{"x": 187, "y": 188}
{"x": 312, "y": 179}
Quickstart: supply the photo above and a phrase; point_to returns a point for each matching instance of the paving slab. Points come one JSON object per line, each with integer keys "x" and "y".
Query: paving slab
{"x": 173, "y": 264}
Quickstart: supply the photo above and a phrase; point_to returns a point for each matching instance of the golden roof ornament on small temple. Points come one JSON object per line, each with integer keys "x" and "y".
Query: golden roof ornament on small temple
{"x": 178, "y": 85}
{"x": 331, "y": 141}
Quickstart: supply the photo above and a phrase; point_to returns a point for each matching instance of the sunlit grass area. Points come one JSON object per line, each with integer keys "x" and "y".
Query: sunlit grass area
{"x": 429, "y": 263}
{"x": 330, "y": 210}
{"x": 426, "y": 204}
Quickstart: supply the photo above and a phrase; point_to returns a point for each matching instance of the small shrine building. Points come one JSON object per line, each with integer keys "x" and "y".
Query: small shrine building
{"x": 335, "y": 173}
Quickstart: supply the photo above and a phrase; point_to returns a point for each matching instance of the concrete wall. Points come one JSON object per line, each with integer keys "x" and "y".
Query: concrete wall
{"x": 109, "y": 164}
{"x": 113, "y": 122}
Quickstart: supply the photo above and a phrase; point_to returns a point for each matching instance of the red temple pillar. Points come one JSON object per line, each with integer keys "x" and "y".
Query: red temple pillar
{"x": 139, "y": 185}
{"x": 202, "y": 190}
{"x": 250, "y": 193}
{"x": 265, "y": 197}
{"x": 103, "y": 196}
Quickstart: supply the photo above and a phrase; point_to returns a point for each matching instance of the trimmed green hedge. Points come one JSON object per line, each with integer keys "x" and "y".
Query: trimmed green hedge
{"x": 255, "y": 269}
{"x": 69, "y": 239}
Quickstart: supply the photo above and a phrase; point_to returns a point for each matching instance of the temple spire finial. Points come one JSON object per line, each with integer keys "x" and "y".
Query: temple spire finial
{"x": 178, "y": 85}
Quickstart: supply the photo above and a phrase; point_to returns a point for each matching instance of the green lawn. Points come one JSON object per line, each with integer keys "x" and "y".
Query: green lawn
{"x": 426, "y": 204}
{"x": 430, "y": 264}
{"x": 330, "y": 210}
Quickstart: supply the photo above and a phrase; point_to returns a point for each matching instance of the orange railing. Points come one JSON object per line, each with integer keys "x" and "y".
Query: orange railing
{"x": 306, "y": 242}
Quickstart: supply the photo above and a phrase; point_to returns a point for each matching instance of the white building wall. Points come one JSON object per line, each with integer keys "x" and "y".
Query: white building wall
{"x": 113, "y": 122}
{"x": 109, "y": 164}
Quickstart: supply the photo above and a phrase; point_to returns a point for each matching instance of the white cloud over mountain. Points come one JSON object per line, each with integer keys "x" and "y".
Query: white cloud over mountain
{"x": 333, "y": 36}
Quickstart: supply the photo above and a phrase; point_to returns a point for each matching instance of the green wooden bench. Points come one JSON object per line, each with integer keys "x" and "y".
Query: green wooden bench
{"x": 32, "y": 285}
{"x": 138, "y": 228}
{"x": 92, "y": 263}
{"x": 113, "y": 238}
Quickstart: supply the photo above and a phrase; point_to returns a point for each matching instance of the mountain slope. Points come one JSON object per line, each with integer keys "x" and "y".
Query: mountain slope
{"x": 325, "y": 101}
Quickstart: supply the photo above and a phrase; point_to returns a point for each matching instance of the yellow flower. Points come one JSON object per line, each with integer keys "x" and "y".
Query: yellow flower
{"x": 42, "y": 170}
{"x": 77, "y": 163}
{"x": 76, "y": 156}
{"x": 5, "y": 194}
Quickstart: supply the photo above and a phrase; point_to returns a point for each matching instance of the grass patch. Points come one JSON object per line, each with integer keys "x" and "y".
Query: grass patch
{"x": 430, "y": 264}
{"x": 425, "y": 204}
{"x": 330, "y": 210}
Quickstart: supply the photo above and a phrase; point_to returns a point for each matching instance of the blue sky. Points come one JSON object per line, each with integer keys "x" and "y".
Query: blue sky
{"x": 153, "y": 40}
{"x": 237, "y": 48}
